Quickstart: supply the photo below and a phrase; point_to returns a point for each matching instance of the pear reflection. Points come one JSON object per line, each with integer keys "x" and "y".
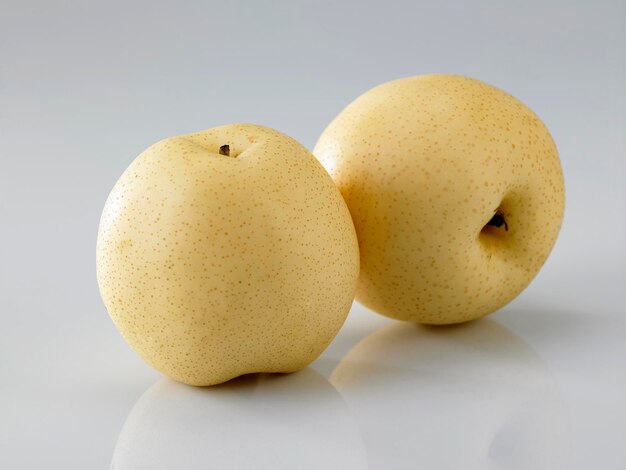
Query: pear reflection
{"x": 258, "y": 421}
{"x": 471, "y": 396}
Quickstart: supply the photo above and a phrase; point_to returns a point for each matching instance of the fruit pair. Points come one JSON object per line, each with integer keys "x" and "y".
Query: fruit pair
{"x": 232, "y": 251}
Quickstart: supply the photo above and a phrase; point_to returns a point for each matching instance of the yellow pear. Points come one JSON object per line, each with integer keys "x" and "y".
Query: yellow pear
{"x": 456, "y": 192}
{"x": 227, "y": 252}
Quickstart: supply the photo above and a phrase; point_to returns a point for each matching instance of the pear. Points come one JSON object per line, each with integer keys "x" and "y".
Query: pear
{"x": 226, "y": 252}
{"x": 456, "y": 192}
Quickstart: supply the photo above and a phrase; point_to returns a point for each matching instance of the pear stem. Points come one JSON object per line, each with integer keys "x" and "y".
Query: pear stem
{"x": 225, "y": 150}
{"x": 498, "y": 220}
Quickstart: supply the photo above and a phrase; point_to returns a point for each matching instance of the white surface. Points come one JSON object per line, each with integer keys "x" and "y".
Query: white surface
{"x": 539, "y": 385}
{"x": 84, "y": 87}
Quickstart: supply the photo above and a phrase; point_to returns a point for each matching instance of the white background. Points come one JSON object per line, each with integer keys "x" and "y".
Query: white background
{"x": 85, "y": 87}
